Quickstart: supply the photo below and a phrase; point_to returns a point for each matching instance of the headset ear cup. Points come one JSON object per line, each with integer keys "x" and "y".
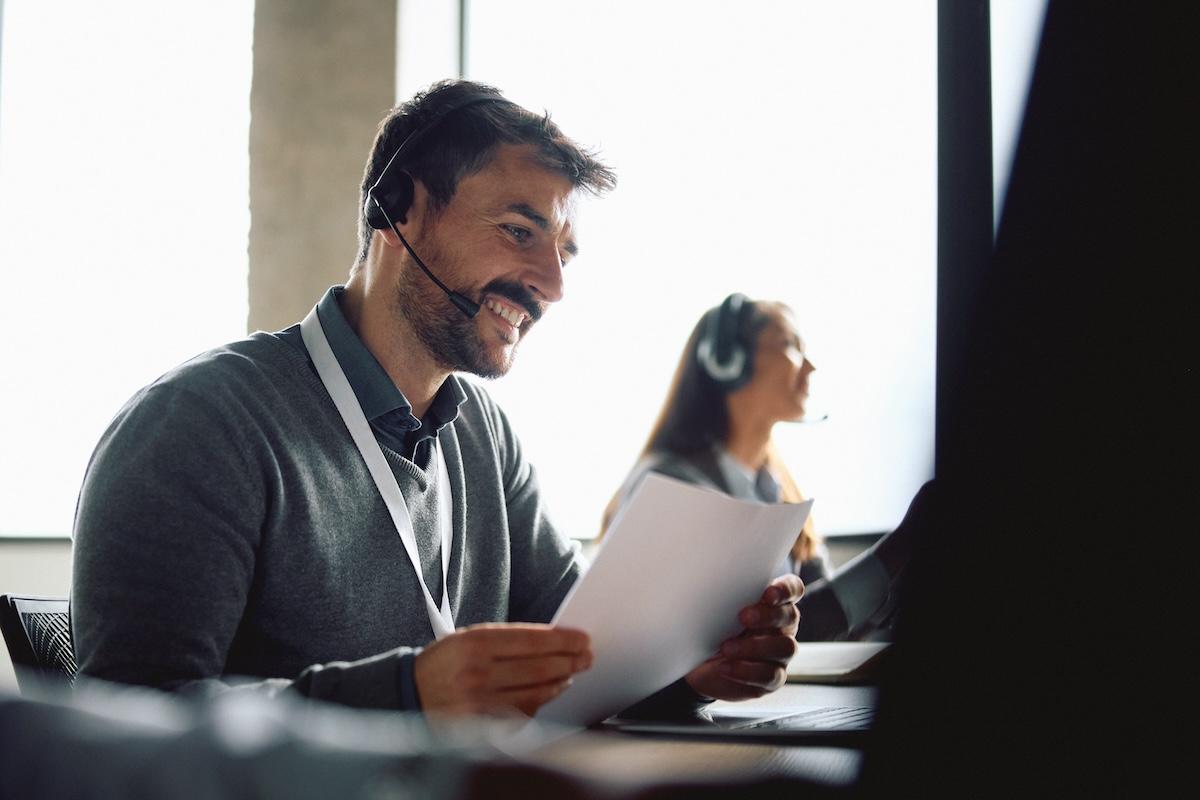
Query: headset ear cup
{"x": 723, "y": 357}
{"x": 372, "y": 213}
{"x": 396, "y": 202}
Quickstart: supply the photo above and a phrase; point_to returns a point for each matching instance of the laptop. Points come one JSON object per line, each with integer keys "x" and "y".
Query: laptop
{"x": 842, "y": 722}
{"x": 829, "y": 725}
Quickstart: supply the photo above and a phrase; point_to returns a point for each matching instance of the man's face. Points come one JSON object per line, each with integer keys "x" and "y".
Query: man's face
{"x": 502, "y": 241}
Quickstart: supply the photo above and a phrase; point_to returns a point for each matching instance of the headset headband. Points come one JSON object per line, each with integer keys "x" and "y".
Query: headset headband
{"x": 414, "y": 138}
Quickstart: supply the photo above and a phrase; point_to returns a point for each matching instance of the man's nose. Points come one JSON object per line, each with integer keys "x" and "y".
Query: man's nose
{"x": 544, "y": 276}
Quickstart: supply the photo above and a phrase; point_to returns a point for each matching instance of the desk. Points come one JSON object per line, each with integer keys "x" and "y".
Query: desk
{"x": 630, "y": 760}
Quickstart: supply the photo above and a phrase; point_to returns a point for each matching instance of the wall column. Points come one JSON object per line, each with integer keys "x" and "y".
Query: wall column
{"x": 324, "y": 76}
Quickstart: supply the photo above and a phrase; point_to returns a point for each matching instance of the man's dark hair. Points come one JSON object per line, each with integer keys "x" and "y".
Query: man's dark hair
{"x": 465, "y": 142}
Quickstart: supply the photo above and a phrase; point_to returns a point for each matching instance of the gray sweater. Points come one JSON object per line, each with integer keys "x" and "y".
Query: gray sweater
{"x": 227, "y": 526}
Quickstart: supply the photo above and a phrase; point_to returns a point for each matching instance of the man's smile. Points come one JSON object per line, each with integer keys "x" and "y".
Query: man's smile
{"x": 510, "y": 313}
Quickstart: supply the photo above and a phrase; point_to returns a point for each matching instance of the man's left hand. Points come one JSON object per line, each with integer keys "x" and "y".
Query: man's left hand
{"x": 754, "y": 662}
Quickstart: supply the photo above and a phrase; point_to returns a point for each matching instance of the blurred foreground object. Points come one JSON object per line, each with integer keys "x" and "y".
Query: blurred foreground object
{"x": 106, "y": 741}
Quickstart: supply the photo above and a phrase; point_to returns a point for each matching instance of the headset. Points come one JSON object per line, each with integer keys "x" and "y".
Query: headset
{"x": 720, "y": 351}
{"x": 385, "y": 205}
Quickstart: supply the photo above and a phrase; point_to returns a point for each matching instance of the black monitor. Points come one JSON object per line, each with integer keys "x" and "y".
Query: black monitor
{"x": 1012, "y": 654}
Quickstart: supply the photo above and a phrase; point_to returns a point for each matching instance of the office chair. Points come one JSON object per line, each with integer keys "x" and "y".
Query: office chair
{"x": 37, "y": 631}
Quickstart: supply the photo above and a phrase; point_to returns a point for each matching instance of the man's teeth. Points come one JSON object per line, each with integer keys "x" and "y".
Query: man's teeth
{"x": 514, "y": 318}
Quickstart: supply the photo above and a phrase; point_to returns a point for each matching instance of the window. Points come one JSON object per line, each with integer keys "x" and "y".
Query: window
{"x": 783, "y": 149}
{"x": 1016, "y": 29}
{"x": 124, "y": 212}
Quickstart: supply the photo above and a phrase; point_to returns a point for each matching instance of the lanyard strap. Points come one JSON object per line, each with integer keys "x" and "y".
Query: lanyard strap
{"x": 331, "y": 374}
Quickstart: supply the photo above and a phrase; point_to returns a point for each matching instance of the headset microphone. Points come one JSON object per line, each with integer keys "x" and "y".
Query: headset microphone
{"x": 461, "y": 302}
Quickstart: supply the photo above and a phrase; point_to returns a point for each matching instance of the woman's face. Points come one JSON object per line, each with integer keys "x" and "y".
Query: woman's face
{"x": 779, "y": 386}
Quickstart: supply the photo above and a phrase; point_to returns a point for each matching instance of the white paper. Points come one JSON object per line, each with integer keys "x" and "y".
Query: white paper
{"x": 832, "y": 658}
{"x": 664, "y": 591}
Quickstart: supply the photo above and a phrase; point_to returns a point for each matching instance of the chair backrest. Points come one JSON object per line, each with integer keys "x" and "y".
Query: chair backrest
{"x": 37, "y": 631}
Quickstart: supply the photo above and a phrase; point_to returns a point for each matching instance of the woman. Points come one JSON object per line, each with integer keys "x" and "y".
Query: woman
{"x": 744, "y": 370}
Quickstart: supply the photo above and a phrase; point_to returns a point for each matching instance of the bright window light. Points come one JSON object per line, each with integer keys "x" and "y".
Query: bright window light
{"x": 124, "y": 216}
{"x": 1016, "y": 29}
{"x": 782, "y": 149}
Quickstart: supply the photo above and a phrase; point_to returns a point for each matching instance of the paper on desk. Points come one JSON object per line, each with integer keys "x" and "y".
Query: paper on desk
{"x": 834, "y": 662}
{"x": 676, "y": 566}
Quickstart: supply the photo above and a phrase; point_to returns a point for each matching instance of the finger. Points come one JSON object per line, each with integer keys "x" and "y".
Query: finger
{"x": 528, "y": 672}
{"x": 784, "y": 589}
{"x": 778, "y": 649}
{"x": 530, "y": 699}
{"x": 506, "y": 640}
{"x": 732, "y": 690}
{"x": 511, "y": 702}
{"x": 760, "y": 616}
{"x": 754, "y": 673}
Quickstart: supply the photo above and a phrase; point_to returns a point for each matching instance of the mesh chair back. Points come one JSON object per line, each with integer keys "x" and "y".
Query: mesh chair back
{"x": 37, "y": 631}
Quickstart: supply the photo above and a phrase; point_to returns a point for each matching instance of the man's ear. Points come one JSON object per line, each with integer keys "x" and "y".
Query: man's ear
{"x": 390, "y": 238}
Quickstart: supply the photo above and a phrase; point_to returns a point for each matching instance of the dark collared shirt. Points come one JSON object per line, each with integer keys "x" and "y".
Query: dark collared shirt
{"x": 385, "y": 406}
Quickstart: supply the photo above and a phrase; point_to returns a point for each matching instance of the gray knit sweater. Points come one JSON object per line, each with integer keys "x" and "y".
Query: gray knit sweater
{"x": 227, "y": 526}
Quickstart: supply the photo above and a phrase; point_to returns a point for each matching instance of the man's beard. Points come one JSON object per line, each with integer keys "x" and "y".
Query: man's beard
{"x": 449, "y": 335}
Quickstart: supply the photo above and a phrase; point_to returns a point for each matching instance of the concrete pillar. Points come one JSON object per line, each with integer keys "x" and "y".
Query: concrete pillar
{"x": 324, "y": 75}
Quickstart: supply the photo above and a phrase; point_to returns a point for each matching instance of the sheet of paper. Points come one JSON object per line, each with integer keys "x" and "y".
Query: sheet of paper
{"x": 664, "y": 590}
{"x": 817, "y": 660}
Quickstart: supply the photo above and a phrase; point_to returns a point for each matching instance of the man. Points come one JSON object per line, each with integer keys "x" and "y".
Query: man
{"x": 228, "y": 525}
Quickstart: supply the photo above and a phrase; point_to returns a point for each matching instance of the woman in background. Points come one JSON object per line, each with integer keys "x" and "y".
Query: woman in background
{"x": 743, "y": 370}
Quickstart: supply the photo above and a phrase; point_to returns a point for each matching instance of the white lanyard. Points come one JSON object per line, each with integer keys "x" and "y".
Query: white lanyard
{"x": 343, "y": 397}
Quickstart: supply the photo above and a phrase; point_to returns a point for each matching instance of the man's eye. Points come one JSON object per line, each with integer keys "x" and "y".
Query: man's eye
{"x": 522, "y": 235}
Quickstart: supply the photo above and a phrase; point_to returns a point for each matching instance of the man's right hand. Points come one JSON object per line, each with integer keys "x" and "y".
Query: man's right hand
{"x": 495, "y": 668}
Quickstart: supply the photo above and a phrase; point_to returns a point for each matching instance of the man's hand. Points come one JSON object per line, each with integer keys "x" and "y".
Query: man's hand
{"x": 754, "y": 662}
{"x": 495, "y": 668}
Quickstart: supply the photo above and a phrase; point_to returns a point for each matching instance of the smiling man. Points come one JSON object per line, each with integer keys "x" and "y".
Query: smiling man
{"x": 328, "y": 509}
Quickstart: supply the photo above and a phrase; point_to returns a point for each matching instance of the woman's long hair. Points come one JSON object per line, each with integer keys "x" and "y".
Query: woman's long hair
{"x": 695, "y": 418}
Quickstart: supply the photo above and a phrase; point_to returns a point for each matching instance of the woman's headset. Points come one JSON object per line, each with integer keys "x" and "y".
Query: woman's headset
{"x": 720, "y": 351}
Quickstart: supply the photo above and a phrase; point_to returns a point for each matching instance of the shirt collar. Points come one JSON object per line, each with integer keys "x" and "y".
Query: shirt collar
{"x": 376, "y": 392}
{"x": 746, "y": 482}
{"x": 734, "y": 469}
